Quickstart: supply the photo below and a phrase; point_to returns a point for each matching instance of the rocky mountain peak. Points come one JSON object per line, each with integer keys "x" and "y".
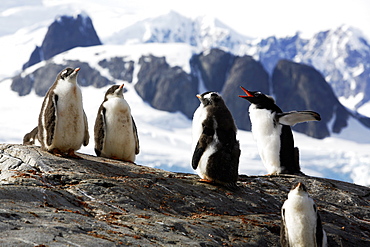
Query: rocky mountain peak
{"x": 202, "y": 32}
{"x": 65, "y": 33}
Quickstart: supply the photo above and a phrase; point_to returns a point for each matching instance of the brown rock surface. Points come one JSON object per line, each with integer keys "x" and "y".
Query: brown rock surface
{"x": 52, "y": 201}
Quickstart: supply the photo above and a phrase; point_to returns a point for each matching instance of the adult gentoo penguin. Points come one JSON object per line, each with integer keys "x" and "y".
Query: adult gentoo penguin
{"x": 271, "y": 129}
{"x": 62, "y": 127}
{"x": 115, "y": 130}
{"x": 216, "y": 149}
{"x": 301, "y": 223}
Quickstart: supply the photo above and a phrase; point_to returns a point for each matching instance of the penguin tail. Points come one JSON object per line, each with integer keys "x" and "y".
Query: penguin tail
{"x": 296, "y": 162}
{"x": 296, "y": 157}
{"x": 97, "y": 152}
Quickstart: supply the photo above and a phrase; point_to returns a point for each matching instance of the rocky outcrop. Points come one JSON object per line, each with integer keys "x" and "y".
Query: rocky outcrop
{"x": 213, "y": 67}
{"x": 166, "y": 88}
{"x": 52, "y": 201}
{"x": 42, "y": 78}
{"x": 119, "y": 68}
{"x": 248, "y": 73}
{"x": 300, "y": 87}
{"x": 294, "y": 86}
{"x": 65, "y": 33}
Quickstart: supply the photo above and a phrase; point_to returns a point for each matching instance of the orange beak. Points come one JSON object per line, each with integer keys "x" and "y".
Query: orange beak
{"x": 248, "y": 94}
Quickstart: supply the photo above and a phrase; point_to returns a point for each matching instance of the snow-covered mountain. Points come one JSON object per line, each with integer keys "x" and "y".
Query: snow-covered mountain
{"x": 341, "y": 55}
{"x": 203, "y": 33}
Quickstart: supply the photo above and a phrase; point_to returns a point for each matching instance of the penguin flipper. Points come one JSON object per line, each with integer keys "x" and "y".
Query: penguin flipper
{"x": 50, "y": 118}
{"x": 136, "y": 137}
{"x": 319, "y": 229}
{"x": 283, "y": 234}
{"x": 294, "y": 117}
{"x": 30, "y": 138}
{"x": 99, "y": 131}
{"x": 86, "y": 135}
{"x": 204, "y": 140}
{"x": 198, "y": 152}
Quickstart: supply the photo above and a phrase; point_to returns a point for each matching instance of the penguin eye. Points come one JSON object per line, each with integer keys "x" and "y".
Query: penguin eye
{"x": 257, "y": 94}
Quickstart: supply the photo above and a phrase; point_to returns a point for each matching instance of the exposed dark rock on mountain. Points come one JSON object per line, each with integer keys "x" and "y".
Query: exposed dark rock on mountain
{"x": 119, "y": 68}
{"x": 166, "y": 88}
{"x": 41, "y": 79}
{"x": 295, "y": 86}
{"x": 300, "y": 87}
{"x": 52, "y": 201}
{"x": 213, "y": 67}
{"x": 249, "y": 73}
{"x": 63, "y": 34}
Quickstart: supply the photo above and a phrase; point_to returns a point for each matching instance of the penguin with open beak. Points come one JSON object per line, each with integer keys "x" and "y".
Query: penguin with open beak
{"x": 272, "y": 132}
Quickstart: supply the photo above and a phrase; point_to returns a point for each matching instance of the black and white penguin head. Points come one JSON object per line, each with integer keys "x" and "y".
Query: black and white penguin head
{"x": 69, "y": 75}
{"x": 258, "y": 98}
{"x": 298, "y": 189}
{"x": 210, "y": 98}
{"x": 114, "y": 91}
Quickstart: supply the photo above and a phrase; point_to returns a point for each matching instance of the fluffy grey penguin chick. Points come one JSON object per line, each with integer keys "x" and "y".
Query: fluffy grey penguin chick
{"x": 62, "y": 127}
{"x": 115, "y": 131}
{"x": 215, "y": 147}
{"x": 301, "y": 223}
{"x": 272, "y": 132}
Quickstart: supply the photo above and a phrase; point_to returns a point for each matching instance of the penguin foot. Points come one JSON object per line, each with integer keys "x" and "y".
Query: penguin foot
{"x": 71, "y": 154}
{"x": 206, "y": 181}
{"x": 56, "y": 152}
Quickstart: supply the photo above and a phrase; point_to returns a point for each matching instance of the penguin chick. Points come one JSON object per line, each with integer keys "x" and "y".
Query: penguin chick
{"x": 301, "y": 223}
{"x": 216, "y": 149}
{"x": 271, "y": 129}
{"x": 62, "y": 127}
{"x": 115, "y": 131}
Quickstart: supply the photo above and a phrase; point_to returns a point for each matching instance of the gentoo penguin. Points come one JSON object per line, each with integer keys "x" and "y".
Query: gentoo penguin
{"x": 62, "y": 127}
{"x": 301, "y": 223}
{"x": 271, "y": 129}
{"x": 216, "y": 149}
{"x": 115, "y": 130}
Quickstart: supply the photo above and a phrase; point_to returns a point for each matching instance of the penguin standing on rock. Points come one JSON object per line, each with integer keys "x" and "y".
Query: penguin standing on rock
{"x": 271, "y": 129}
{"x": 301, "y": 223}
{"x": 62, "y": 127}
{"x": 216, "y": 149}
{"x": 115, "y": 131}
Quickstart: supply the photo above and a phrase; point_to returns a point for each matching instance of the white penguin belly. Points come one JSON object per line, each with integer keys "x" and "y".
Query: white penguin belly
{"x": 199, "y": 116}
{"x": 300, "y": 222}
{"x": 267, "y": 137}
{"x": 70, "y": 125}
{"x": 119, "y": 140}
